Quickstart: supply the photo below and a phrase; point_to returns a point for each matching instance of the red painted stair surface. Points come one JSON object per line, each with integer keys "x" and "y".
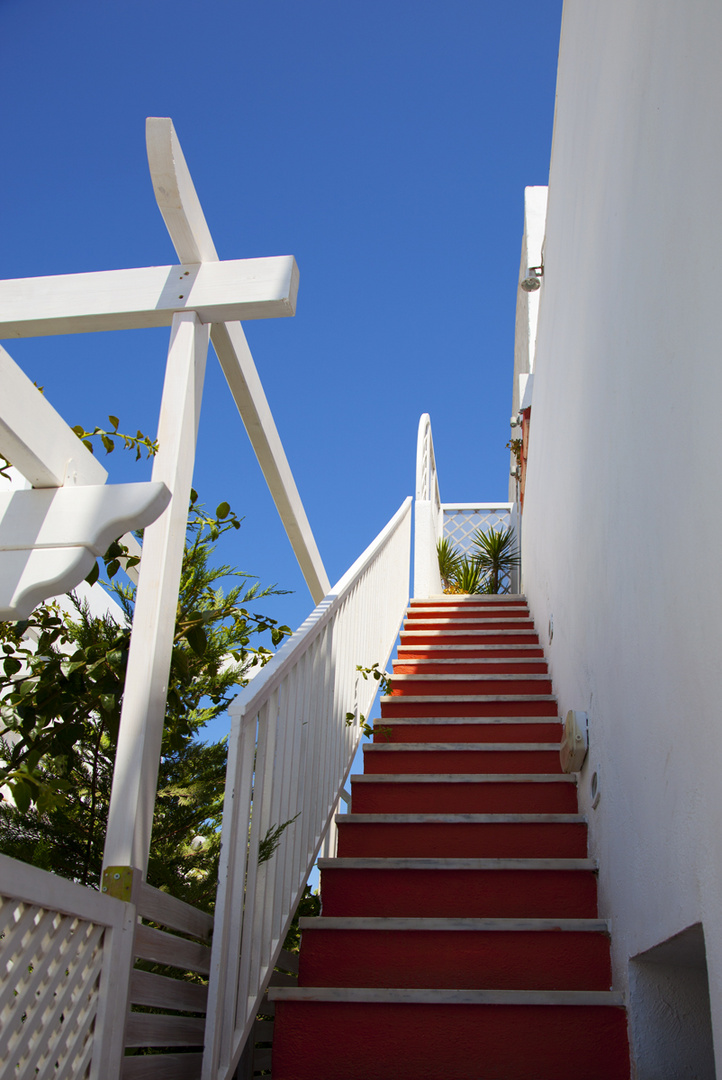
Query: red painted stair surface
{"x": 459, "y": 936}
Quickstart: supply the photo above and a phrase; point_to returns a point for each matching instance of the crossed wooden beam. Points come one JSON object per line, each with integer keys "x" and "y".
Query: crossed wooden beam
{"x": 50, "y": 534}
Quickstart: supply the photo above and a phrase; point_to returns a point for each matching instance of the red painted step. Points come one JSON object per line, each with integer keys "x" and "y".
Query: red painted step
{"x": 406, "y": 685}
{"x": 333, "y": 1040}
{"x": 496, "y": 729}
{"x": 464, "y": 758}
{"x": 523, "y": 959}
{"x": 470, "y": 705}
{"x": 469, "y": 637}
{"x": 426, "y": 794}
{"x": 491, "y": 838}
{"x": 459, "y": 938}
{"x": 474, "y": 666}
{"x": 425, "y": 889}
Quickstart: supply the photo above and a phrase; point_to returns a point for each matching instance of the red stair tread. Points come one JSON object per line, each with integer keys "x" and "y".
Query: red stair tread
{"x": 461, "y": 761}
{"x": 391, "y": 731}
{"x": 366, "y": 1041}
{"x": 465, "y": 840}
{"x": 489, "y": 797}
{"x": 508, "y": 960}
{"x": 432, "y": 893}
{"x": 345, "y": 1023}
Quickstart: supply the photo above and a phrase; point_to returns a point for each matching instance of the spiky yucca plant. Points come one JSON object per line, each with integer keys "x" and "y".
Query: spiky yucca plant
{"x": 449, "y": 560}
{"x": 496, "y": 555}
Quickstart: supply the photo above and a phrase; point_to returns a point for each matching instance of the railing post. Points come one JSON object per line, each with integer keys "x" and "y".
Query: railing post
{"x": 428, "y": 515}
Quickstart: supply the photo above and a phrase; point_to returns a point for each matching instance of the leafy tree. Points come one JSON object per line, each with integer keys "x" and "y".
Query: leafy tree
{"x": 61, "y": 690}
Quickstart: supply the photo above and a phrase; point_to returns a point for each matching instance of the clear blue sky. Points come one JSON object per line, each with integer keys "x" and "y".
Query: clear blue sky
{"x": 385, "y": 144}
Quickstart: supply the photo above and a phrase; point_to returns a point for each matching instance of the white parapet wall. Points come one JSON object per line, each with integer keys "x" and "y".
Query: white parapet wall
{"x": 623, "y": 505}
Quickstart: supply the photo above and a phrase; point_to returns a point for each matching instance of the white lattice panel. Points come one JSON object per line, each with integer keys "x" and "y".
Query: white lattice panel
{"x": 460, "y": 524}
{"x": 49, "y": 976}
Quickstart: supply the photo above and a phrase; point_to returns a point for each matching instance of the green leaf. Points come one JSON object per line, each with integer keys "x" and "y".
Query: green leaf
{"x": 114, "y": 421}
{"x": 112, "y": 568}
{"x": 92, "y": 577}
{"x": 196, "y": 638}
{"x": 107, "y": 443}
{"x": 222, "y": 510}
{"x": 11, "y": 666}
{"x": 22, "y": 796}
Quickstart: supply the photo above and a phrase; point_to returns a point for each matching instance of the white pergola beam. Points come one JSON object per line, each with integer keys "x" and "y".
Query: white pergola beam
{"x": 182, "y": 212}
{"x": 35, "y": 438}
{"x": 148, "y": 297}
{"x": 50, "y": 538}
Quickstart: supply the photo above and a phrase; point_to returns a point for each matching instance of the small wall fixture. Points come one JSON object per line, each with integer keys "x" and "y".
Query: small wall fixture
{"x": 532, "y": 281}
{"x": 575, "y": 741}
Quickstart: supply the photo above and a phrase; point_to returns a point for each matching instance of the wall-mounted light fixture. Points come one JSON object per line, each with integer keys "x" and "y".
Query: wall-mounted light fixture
{"x": 516, "y": 420}
{"x": 532, "y": 281}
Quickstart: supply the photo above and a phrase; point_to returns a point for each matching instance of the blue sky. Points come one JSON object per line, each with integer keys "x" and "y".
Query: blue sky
{"x": 386, "y": 145}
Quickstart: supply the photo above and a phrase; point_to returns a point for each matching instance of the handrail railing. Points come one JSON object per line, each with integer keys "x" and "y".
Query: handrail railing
{"x": 456, "y": 522}
{"x": 291, "y": 749}
{"x": 428, "y": 523}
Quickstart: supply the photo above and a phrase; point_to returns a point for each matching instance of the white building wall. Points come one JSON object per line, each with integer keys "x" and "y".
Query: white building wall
{"x": 623, "y": 511}
{"x": 527, "y": 305}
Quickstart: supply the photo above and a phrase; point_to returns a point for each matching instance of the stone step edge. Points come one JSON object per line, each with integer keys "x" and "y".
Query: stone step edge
{"x": 443, "y": 632}
{"x": 469, "y": 676}
{"x": 460, "y": 819}
{"x": 469, "y": 598}
{"x": 464, "y": 778}
{"x": 402, "y": 699}
{"x": 399, "y": 721}
{"x": 447, "y": 997}
{"x": 431, "y": 647}
{"x": 366, "y": 922}
{"x": 471, "y": 660}
{"x": 466, "y": 747}
{"x": 403, "y": 862}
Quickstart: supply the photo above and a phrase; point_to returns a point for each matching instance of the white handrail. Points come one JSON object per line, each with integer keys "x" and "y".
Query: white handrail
{"x": 290, "y": 752}
{"x": 428, "y": 528}
{"x": 427, "y": 478}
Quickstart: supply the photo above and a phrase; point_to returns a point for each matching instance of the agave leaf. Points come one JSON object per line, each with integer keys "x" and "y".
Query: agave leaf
{"x": 496, "y": 554}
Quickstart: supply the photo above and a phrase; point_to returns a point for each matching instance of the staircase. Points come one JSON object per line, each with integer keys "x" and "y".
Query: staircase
{"x": 459, "y": 938}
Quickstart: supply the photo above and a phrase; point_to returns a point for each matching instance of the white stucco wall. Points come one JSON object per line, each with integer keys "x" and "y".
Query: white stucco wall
{"x": 623, "y": 510}
{"x": 527, "y": 305}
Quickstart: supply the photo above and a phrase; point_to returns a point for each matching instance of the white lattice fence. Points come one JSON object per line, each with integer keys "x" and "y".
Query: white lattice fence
{"x": 64, "y": 959}
{"x": 462, "y": 520}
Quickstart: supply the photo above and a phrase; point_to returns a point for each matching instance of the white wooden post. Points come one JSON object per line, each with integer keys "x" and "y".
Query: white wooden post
{"x": 146, "y": 685}
{"x": 428, "y": 515}
{"x": 183, "y": 214}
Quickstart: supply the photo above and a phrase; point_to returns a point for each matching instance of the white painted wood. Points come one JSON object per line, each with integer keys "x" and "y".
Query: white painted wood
{"x": 169, "y": 911}
{"x": 148, "y": 296}
{"x": 298, "y": 764}
{"x": 184, "y": 218}
{"x": 159, "y": 1029}
{"x": 163, "y": 948}
{"x": 36, "y": 439}
{"x": 158, "y": 991}
{"x": 141, "y": 726}
{"x": 66, "y": 961}
{"x": 162, "y": 1067}
{"x": 28, "y": 577}
{"x": 91, "y": 516}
